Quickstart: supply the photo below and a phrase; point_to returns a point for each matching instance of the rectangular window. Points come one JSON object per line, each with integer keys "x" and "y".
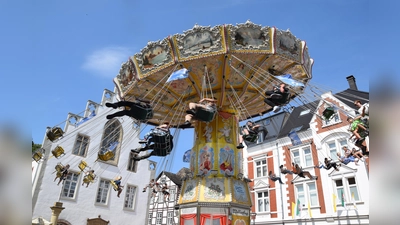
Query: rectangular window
{"x": 81, "y": 145}
{"x": 307, "y": 193}
{"x": 149, "y": 218}
{"x": 132, "y": 164}
{"x": 334, "y": 119}
{"x": 336, "y": 146}
{"x": 303, "y": 156}
{"x": 262, "y": 202}
{"x": 70, "y": 184}
{"x": 159, "y": 218}
{"x": 102, "y": 192}
{"x": 172, "y": 192}
{"x": 296, "y": 156}
{"x": 130, "y": 197}
{"x": 170, "y": 218}
{"x": 348, "y": 187}
{"x": 261, "y": 168}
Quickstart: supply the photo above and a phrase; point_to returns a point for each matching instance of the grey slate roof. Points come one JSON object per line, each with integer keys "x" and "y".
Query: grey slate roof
{"x": 295, "y": 120}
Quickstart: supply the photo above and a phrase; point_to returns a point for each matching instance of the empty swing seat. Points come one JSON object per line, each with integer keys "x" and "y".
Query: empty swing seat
{"x": 58, "y": 152}
{"x": 54, "y": 133}
{"x": 205, "y": 115}
{"x": 106, "y": 155}
{"x": 38, "y": 155}
{"x": 328, "y": 113}
{"x": 82, "y": 165}
{"x": 139, "y": 112}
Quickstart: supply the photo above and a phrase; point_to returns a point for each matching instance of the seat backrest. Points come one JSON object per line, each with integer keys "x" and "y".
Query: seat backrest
{"x": 141, "y": 113}
{"x": 58, "y": 152}
{"x": 106, "y": 156}
{"x": 205, "y": 115}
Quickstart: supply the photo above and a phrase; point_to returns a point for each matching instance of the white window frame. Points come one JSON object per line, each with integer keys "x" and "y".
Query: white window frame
{"x": 104, "y": 187}
{"x": 301, "y": 157}
{"x": 335, "y": 120}
{"x": 170, "y": 218}
{"x": 346, "y": 190}
{"x": 149, "y": 218}
{"x": 339, "y": 143}
{"x": 172, "y": 193}
{"x": 109, "y": 136}
{"x": 266, "y": 204}
{"x": 159, "y": 218}
{"x": 132, "y": 164}
{"x": 307, "y": 194}
{"x": 261, "y": 166}
{"x": 130, "y": 197}
{"x": 69, "y": 184}
{"x": 84, "y": 141}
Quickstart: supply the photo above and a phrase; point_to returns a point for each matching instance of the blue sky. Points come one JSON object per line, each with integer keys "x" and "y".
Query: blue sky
{"x": 56, "y": 55}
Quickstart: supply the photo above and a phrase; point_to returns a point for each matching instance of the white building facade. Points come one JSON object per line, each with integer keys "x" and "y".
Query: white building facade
{"x": 86, "y": 140}
{"x": 336, "y": 197}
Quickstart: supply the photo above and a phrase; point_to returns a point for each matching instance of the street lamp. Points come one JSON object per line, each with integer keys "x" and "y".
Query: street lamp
{"x": 253, "y": 217}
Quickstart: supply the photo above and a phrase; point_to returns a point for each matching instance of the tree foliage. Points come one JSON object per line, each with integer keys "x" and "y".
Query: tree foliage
{"x": 35, "y": 146}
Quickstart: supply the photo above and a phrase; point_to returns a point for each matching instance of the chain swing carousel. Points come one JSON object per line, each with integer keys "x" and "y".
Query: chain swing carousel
{"x": 235, "y": 65}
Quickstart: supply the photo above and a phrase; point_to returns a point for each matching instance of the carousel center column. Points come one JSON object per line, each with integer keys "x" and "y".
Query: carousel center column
{"x": 216, "y": 190}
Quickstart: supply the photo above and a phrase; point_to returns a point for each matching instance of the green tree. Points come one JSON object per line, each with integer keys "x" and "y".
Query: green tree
{"x": 35, "y": 146}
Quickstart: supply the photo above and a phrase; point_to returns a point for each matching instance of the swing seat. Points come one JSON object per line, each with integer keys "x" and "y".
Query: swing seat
{"x": 328, "y": 113}
{"x": 205, "y": 115}
{"x": 82, "y": 165}
{"x": 162, "y": 144}
{"x": 114, "y": 185}
{"x": 251, "y": 137}
{"x": 139, "y": 112}
{"x": 54, "y": 133}
{"x": 89, "y": 178}
{"x": 58, "y": 152}
{"x": 38, "y": 155}
{"x": 106, "y": 156}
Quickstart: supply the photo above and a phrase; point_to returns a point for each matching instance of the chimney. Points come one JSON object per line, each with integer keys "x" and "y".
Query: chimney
{"x": 352, "y": 82}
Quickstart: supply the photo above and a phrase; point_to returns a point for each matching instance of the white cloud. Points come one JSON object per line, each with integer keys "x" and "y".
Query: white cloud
{"x": 106, "y": 62}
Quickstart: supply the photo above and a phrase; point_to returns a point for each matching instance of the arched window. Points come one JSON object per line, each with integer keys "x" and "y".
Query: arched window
{"x": 112, "y": 140}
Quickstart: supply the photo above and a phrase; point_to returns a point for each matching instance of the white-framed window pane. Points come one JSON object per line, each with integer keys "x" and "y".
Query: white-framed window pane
{"x": 102, "y": 192}
{"x": 130, "y": 197}
{"x": 261, "y": 168}
{"x": 296, "y": 157}
{"x": 263, "y": 201}
{"x": 332, "y": 150}
{"x": 308, "y": 157}
{"x": 81, "y": 145}
{"x": 159, "y": 218}
{"x": 354, "y": 192}
{"x": 172, "y": 192}
{"x": 353, "y": 188}
{"x": 132, "y": 164}
{"x": 149, "y": 218}
{"x": 170, "y": 218}
{"x": 70, "y": 184}
{"x": 300, "y": 194}
{"x": 111, "y": 138}
{"x": 313, "y": 194}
